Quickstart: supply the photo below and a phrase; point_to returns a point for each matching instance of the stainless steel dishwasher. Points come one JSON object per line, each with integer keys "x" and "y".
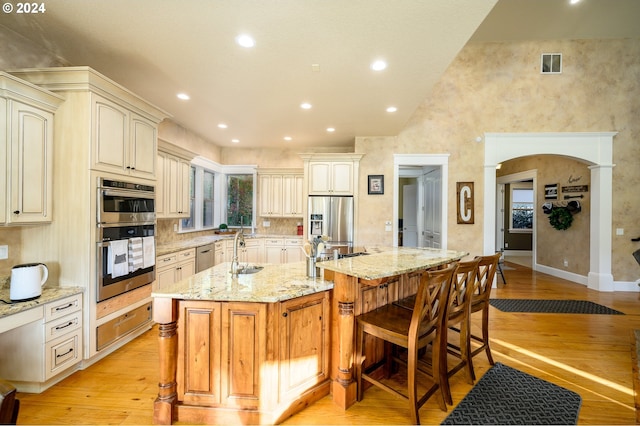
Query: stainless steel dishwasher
{"x": 204, "y": 257}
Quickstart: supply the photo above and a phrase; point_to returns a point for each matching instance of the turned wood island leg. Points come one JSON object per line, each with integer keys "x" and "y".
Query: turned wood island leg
{"x": 165, "y": 315}
{"x": 343, "y": 385}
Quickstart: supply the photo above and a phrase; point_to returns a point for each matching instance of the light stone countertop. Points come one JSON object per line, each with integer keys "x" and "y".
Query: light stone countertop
{"x": 174, "y": 246}
{"x": 275, "y": 283}
{"x": 49, "y": 294}
{"x": 390, "y": 261}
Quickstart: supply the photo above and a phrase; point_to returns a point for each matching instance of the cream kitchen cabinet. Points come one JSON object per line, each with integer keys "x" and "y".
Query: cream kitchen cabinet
{"x": 331, "y": 178}
{"x": 173, "y": 184}
{"x": 221, "y": 253}
{"x": 251, "y": 252}
{"x": 280, "y": 192}
{"x": 331, "y": 174}
{"x": 47, "y": 344}
{"x": 26, "y": 151}
{"x": 283, "y": 250}
{"x": 123, "y": 142}
{"x": 174, "y": 267}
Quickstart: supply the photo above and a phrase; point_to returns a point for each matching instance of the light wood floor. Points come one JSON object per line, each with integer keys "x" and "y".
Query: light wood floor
{"x": 589, "y": 354}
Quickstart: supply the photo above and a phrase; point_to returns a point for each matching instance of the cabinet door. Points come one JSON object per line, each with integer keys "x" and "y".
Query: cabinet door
{"x": 270, "y": 195}
{"x": 160, "y": 186}
{"x": 243, "y": 346}
{"x": 253, "y": 251}
{"x": 177, "y": 180}
{"x": 142, "y": 152}
{"x": 165, "y": 276}
{"x": 4, "y": 148}
{"x": 110, "y": 136}
{"x": 198, "y": 372}
{"x": 219, "y": 252}
{"x": 186, "y": 269}
{"x": 304, "y": 343}
{"x": 31, "y": 164}
{"x": 293, "y": 251}
{"x": 342, "y": 178}
{"x": 292, "y": 194}
{"x": 273, "y": 251}
{"x": 319, "y": 178}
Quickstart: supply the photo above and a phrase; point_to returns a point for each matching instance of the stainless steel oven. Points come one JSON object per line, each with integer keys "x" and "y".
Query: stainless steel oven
{"x": 125, "y": 202}
{"x": 126, "y": 225}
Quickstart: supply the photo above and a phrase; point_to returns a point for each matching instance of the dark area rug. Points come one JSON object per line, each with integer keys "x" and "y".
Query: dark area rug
{"x": 552, "y": 306}
{"x": 506, "y": 396}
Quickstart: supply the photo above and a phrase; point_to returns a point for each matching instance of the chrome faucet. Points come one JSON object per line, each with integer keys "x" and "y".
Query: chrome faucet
{"x": 238, "y": 240}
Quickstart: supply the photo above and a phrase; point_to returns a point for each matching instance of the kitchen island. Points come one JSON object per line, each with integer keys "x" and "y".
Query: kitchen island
{"x": 259, "y": 347}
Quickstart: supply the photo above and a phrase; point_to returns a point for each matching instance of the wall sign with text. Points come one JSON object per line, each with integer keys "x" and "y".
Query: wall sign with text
{"x": 464, "y": 190}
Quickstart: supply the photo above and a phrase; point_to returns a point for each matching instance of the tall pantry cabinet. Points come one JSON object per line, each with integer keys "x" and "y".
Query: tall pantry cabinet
{"x": 101, "y": 130}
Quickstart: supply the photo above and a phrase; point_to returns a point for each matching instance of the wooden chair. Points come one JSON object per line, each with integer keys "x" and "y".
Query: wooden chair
{"x": 458, "y": 320}
{"x": 9, "y": 405}
{"x": 480, "y": 303}
{"x": 413, "y": 330}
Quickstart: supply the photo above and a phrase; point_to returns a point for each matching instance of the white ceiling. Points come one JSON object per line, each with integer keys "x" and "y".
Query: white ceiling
{"x": 157, "y": 48}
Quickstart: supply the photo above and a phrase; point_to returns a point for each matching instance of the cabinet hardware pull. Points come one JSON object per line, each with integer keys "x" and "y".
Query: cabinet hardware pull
{"x": 284, "y": 314}
{"x": 16, "y": 212}
{"x": 60, "y": 327}
{"x": 62, "y": 308}
{"x": 65, "y": 354}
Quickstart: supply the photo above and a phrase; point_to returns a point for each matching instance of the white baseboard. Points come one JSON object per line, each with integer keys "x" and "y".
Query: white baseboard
{"x": 631, "y": 286}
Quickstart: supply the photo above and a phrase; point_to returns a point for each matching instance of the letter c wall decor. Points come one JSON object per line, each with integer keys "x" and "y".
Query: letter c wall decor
{"x": 464, "y": 190}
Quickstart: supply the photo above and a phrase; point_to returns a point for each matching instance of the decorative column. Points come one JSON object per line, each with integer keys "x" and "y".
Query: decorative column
{"x": 343, "y": 387}
{"x": 165, "y": 314}
{"x": 600, "y": 277}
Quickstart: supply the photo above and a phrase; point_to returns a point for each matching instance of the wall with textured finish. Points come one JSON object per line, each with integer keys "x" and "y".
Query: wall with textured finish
{"x": 497, "y": 87}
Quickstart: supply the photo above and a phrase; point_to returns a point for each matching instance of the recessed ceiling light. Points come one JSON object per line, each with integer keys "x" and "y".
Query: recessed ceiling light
{"x": 287, "y": 138}
{"x": 574, "y": 1}
{"x": 245, "y": 40}
{"x": 392, "y": 109}
{"x": 235, "y": 140}
{"x": 183, "y": 96}
{"x": 305, "y": 105}
{"x": 378, "y": 65}
{"x": 330, "y": 129}
{"x": 222, "y": 126}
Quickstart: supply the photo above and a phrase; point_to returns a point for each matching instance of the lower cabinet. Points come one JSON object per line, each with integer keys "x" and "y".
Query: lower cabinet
{"x": 246, "y": 356}
{"x": 283, "y": 250}
{"x": 174, "y": 267}
{"x": 34, "y": 356}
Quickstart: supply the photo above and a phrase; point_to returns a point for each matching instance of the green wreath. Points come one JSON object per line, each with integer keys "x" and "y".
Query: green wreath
{"x": 560, "y": 218}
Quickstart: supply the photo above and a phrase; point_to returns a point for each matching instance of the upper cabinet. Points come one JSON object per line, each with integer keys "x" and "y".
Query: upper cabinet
{"x": 280, "y": 192}
{"x": 173, "y": 184}
{"x": 123, "y": 142}
{"x": 332, "y": 174}
{"x": 26, "y": 151}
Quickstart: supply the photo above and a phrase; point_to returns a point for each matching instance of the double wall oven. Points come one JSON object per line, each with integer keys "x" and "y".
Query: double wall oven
{"x": 125, "y": 215}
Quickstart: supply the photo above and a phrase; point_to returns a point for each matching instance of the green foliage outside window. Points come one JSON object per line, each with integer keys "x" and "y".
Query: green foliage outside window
{"x": 239, "y": 200}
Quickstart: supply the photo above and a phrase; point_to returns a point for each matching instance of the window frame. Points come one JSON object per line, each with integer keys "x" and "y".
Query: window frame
{"x": 519, "y": 186}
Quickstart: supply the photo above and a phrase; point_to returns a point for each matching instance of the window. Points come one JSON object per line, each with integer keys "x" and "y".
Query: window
{"x": 240, "y": 199}
{"x": 521, "y": 207}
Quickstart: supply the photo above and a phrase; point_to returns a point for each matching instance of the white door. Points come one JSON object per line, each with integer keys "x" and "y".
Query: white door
{"x": 410, "y": 215}
{"x": 432, "y": 232}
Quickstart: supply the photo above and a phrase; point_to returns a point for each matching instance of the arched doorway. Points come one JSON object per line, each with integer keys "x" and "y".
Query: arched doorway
{"x": 594, "y": 148}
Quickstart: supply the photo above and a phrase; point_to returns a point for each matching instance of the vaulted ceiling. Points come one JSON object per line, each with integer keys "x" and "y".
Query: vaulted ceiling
{"x": 315, "y": 51}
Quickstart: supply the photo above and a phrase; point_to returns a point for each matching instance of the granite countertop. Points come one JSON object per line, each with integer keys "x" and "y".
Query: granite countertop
{"x": 173, "y": 246}
{"x": 390, "y": 261}
{"x": 49, "y": 294}
{"x": 275, "y": 283}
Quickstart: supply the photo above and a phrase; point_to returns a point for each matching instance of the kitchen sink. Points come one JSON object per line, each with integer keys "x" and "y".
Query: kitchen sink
{"x": 250, "y": 269}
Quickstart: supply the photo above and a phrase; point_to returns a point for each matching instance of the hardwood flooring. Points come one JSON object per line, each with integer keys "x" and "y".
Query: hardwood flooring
{"x": 589, "y": 354}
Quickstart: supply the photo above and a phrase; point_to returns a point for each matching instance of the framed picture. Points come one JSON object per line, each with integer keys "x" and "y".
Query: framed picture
{"x": 465, "y": 211}
{"x": 376, "y": 184}
{"x": 551, "y": 191}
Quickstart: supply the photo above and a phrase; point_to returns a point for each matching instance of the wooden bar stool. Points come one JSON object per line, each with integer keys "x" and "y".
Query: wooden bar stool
{"x": 413, "y": 330}
{"x": 480, "y": 303}
{"x": 9, "y": 405}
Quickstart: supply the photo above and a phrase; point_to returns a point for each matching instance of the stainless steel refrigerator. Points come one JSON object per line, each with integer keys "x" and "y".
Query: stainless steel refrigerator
{"x": 333, "y": 217}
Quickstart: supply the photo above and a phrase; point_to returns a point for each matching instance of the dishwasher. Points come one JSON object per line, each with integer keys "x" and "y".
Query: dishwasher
{"x": 204, "y": 257}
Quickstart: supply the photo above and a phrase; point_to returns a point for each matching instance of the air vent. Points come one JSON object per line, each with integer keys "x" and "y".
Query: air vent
{"x": 551, "y": 63}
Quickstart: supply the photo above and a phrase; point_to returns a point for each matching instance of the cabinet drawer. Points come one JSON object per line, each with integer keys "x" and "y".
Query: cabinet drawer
{"x": 166, "y": 260}
{"x": 62, "y": 353}
{"x": 251, "y": 242}
{"x": 62, "y": 307}
{"x": 293, "y": 242}
{"x": 274, "y": 242}
{"x": 62, "y": 326}
{"x": 186, "y": 254}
